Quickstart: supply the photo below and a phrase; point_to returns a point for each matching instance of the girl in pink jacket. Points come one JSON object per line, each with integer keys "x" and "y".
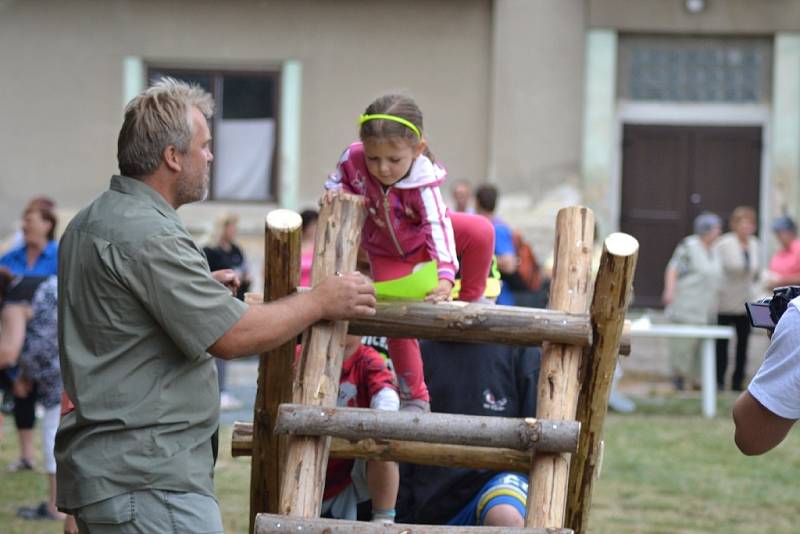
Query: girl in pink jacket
{"x": 407, "y": 220}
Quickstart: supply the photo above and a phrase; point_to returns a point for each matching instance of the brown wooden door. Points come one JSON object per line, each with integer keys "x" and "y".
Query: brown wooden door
{"x": 670, "y": 174}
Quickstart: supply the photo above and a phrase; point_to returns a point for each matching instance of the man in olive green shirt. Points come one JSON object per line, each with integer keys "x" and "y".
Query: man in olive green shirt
{"x": 139, "y": 312}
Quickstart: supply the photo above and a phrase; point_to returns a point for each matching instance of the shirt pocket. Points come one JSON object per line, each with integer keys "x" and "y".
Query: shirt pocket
{"x": 114, "y": 511}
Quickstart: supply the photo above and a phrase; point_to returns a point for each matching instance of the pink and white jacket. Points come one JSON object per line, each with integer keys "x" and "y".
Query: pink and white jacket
{"x": 402, "y": 218}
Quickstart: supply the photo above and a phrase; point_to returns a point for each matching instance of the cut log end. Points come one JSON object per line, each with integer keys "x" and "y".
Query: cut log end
{"x": 620, "y": 244}
{"x": 284, "y": 220}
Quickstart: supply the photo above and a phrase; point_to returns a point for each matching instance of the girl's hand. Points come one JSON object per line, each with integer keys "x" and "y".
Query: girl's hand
{"x": 328, "y": 196}
{"x": 441, "y": 293}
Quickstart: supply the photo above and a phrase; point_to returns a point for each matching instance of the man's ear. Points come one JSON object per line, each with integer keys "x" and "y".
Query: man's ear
{"x": 170, "y": 156}
{"x": 420, "y": 148}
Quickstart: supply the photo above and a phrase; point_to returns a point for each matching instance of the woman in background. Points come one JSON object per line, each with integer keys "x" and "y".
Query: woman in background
{"x": 739, "y": 253}
{"x": 691, "y": 282}
{"x": 224, "y": 253}
{"x": 36, "y": 256}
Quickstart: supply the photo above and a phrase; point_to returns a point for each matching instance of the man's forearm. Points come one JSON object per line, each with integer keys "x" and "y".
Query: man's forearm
{"x": 758, "y": 430}
{"x": 266, "y": 326}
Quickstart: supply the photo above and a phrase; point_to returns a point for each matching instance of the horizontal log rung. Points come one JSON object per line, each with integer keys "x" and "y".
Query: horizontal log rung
{"x": 414, "y": 452}
{"x": 278, "y": 524}
{"x": 475, "y": 323}
{"x": 481, "y": 431}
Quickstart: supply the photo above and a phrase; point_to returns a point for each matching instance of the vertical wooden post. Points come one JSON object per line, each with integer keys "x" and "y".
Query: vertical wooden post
{"x": 317, "y": 379}
{"x": 281, "y": 277}
{"x": 612, "y": 292}
{"x": 558, "y": 377}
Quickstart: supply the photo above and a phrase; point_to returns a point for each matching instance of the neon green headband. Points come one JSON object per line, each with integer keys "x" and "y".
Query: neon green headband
{"x": 394, "y": 118}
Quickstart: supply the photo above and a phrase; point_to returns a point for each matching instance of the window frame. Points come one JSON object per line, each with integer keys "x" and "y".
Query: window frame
{"x": 217, "y": 74}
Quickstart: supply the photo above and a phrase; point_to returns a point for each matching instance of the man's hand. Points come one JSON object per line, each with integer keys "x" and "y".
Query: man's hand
{"x": 345, "y": 296}
{"x": 228, "y": 278}
{"x": 441, "y": 293}
{"x": 70, "y": 526}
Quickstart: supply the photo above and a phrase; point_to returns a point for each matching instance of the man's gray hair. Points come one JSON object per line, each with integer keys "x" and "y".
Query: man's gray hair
{"x": 705, "y": 222}
{"x": 156, "y": 119}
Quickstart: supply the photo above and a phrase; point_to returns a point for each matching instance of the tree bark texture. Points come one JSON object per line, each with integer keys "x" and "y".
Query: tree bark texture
{"x": 282, "y": 273}
{"x": 612, "y": 293}
{"x": 318, "y": 370}
{"x": 559, "y": 382}
{"x": 437, "y": 454}
{"x": 277, "y": 524}
{"x": 478, "y": 431}
{"x": 478, "y": 323}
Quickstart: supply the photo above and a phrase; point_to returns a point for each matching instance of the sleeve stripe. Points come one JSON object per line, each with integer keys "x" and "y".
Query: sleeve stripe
{"x": 441, "y": 226}
{"x": 334, "y": 180}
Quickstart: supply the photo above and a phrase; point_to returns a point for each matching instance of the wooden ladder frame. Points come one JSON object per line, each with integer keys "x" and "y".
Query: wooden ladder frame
{"x": 581, "y": 332}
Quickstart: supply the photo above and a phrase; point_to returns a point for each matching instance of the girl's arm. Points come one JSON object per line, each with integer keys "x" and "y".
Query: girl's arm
{"x": 341, "y": 179}
{"x": 439, "y": 236}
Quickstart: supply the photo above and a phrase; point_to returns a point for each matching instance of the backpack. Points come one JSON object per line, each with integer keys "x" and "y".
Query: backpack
{"x": 528, "y": 276}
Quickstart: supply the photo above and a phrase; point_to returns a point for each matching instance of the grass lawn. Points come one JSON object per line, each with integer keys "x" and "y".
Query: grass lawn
{"x": 666, "y": 469}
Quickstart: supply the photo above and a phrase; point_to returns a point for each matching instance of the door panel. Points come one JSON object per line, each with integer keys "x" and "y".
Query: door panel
{"x": 655, "y": 178}
{"x": 726, "y": 167}
{"x": 670, "y": 174}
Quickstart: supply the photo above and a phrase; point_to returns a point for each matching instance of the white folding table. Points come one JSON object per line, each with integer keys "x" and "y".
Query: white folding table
{"x": 709, "y": 334}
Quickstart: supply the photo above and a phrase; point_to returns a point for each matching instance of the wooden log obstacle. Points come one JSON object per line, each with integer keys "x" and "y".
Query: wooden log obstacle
{"x": 451, "y": 429}
{"x": 279, "y": 524}
{"x": 296, "y": 425}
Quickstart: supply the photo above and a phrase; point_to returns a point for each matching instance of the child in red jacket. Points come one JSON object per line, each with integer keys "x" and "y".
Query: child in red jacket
{"x": 365, "y": 382}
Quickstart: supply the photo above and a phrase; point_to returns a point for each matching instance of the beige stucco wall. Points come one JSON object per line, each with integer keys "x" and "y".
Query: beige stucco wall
{"x": 719, "y": 16}
{"x": 62, "y": 81}
{"x": 537, "y": 96}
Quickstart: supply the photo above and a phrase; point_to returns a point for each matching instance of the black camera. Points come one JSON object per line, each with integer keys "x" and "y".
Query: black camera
{"x": 767, "y": 312}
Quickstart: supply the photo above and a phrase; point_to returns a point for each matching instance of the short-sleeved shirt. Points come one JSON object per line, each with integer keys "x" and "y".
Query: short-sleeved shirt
{"x": 786, "y": 262}
{"x": 699, "y": 277}
{"x": 777, "y": 382}
{"x": 138, "y": 310}
{"x": 16, "y": 261}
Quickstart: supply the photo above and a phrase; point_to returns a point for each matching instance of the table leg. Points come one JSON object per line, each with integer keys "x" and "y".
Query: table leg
{"x": 709, "y": 378}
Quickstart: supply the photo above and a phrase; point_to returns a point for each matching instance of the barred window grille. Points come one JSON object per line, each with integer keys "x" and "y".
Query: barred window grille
{"x": 695, "y": 69}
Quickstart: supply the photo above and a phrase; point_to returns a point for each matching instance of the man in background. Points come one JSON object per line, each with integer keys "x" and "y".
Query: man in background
{"x": 504, "y": 251}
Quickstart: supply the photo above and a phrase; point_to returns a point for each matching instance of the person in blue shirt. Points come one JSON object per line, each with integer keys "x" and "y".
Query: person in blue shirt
{"x": 38, "y": 253}
{"x": 504, "y": 251}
